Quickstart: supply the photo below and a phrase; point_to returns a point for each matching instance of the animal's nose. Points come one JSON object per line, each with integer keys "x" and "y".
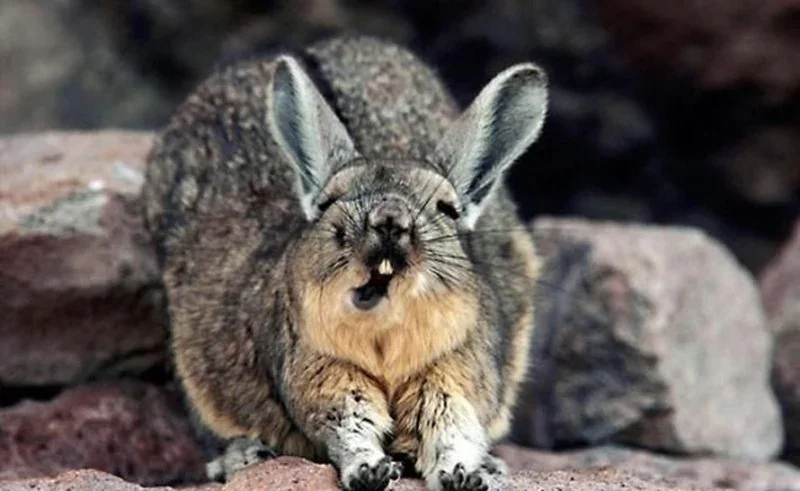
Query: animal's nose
{"x": 390, "y": 218}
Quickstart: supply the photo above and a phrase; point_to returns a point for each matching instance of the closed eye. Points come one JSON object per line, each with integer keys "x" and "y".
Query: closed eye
{"x": 326, "y": 204}
{"x": 448, "y": 209}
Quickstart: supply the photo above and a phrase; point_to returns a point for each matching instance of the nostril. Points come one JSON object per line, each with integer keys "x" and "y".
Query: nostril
{"x": 390, "y": 219}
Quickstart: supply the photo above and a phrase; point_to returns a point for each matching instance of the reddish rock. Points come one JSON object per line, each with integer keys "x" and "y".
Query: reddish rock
{"x": 291, "y": 474}
{"x": 79, "y": 287}
{"x": 285, "y": 473}
{"x": 81, "y": 480}
{"x": 780, "y": 290}
{"x": 131, "y": 430}
{"x": 640, "y": 336}
{"x": 605, "y": 468}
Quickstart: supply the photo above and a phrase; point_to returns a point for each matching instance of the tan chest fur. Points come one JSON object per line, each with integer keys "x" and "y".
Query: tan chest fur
{"x": 411, "y": 328}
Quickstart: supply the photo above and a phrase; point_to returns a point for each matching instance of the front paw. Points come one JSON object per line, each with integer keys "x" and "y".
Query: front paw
{"x": 372, "y": 477}
{"x": 490, "y": 475}
{"x": 238, "y": 454}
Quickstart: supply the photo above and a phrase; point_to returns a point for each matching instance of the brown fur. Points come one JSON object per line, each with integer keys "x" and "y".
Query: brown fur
{"x": 265, "y": 341}
{"x": 395, "y": 340}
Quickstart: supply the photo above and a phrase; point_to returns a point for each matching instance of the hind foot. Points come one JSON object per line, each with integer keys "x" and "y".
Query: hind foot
{"x": 239, "y": 453}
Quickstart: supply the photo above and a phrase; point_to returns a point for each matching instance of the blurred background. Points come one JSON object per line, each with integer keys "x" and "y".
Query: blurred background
{"x": 679, "y": 112}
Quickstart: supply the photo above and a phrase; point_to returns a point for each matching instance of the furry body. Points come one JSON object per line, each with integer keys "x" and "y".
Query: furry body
{"x": 263, "y": 347}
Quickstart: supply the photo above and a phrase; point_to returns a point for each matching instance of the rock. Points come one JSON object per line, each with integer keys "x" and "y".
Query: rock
{"x": 704, "y": 472}
{"x": 79, "y": 286}
{"x": 285, "y": 473}
{"x": 641, "y": 336}
{"x": 132, "y": 430}
{"x": 780, "y": 280}
{"x": 80, "y": 480}
{"x": 780, "y": 289}
{"x": 292, "y": 474}
{"x": 608, "y": 468}
{"x": 83, "y": 480}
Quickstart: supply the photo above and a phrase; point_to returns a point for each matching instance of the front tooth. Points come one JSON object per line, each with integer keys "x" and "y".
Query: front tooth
{"x": 385, "y": 267}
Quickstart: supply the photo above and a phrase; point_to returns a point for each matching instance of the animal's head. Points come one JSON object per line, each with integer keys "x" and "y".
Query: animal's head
{"x": 384, "y": 232}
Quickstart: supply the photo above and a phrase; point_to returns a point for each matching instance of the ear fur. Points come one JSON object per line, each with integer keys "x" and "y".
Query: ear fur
{"x": 497, "y": 128}
{"x": 306, "y": 129}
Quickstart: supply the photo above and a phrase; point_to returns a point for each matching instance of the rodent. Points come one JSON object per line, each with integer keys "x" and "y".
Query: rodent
{"x": 347, "y": 277}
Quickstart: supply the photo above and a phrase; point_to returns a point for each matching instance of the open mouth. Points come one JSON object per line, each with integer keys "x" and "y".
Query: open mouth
{"x": 370, "y": 294}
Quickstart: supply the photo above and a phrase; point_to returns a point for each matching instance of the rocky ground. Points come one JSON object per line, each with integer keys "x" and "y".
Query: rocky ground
{"x": 647, "y": 337}
{"x": 667, "y": 349}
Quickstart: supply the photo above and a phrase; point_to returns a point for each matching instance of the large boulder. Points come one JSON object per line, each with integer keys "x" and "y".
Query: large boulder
{"x": 650, "y": 336}
{"x": 80, "y": 294}
{"x": 132, "y": 430}
{"x": 780, "y": 289}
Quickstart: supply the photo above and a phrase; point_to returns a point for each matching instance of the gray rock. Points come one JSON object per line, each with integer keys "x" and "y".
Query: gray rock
{"x": 649, "y": 336}
{"x": 80, "y": 294}
{"x": 780, "y": 289}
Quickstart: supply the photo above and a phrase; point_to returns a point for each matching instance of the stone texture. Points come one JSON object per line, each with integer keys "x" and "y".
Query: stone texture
{"x": 614, "y": 468}
{"x": 79, "y": 480}
{"x": 780, "y": 290}
{"x": 704, "y": 472}
{"x": 607, "y": 468}
{"x": 641, "y": 336}
{"x": 79, "y": 287}
{"x": 132, "y": 430}
{"x": 290, "y": 474}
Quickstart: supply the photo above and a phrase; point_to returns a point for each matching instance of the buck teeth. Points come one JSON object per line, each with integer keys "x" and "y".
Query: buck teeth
{"x": 385, "y": 267}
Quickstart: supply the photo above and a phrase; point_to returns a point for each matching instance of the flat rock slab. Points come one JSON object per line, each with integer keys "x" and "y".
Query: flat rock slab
{"x": 289, "y": 474}
{"x": 603, "y": 468}
{"x": 650, "y": 336}
{"x": 79, "y": 287}
{"x": 704, "y": 472}
{"x": 132, "y": 430}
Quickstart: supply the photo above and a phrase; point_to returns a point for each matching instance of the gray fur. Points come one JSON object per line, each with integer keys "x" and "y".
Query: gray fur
{"x": 309, "y": 133}
{"x": 506, "y": 117}
{"x": 274, "y": 192}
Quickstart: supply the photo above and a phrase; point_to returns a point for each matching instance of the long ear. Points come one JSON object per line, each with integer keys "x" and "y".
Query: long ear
{"x": 306, "y": 129}
{"x": 503, "y": 120}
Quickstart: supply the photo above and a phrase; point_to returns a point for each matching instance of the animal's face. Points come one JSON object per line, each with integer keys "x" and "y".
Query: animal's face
{"x": 386, "y": 229}
{"x": 384, "y": 237}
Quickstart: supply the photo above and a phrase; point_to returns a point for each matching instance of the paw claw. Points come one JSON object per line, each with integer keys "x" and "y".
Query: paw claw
{"x": 375, "y": 478}
{"x": 459, "y": 479}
